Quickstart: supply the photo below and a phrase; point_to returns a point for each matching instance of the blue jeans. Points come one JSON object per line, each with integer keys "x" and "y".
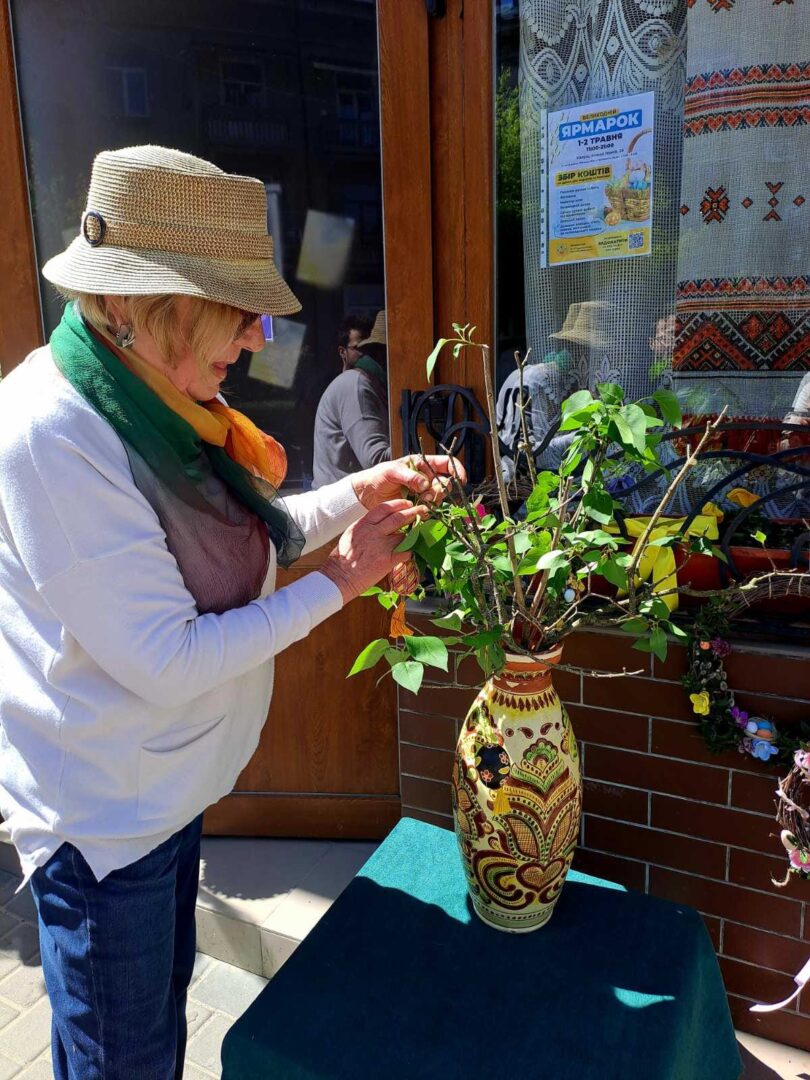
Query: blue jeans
{"x": 117, "y": 956}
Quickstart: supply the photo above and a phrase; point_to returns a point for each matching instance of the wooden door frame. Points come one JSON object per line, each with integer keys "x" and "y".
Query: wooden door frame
{"x": 20, "y": 311}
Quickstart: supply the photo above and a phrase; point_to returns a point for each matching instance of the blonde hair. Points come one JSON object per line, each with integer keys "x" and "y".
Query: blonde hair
{"x": 211, "y": 327}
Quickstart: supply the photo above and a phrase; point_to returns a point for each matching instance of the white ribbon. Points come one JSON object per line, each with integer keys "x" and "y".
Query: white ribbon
{"x": 799, "y": 979}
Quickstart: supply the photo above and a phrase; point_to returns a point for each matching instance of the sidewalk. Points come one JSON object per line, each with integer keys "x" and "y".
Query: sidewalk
{"x": 218, "y": 994}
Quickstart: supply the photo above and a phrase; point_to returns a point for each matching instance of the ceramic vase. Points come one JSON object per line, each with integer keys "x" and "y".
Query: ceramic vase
{"x": 517, "y": 795}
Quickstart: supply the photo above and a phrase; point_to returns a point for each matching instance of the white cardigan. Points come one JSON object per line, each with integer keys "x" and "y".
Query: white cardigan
{"x": 123, "y": 712}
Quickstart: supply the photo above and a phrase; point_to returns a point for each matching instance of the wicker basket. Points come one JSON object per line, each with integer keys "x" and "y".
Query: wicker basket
{"x": 793, "y": 813}
{"x": 631, "y": 204}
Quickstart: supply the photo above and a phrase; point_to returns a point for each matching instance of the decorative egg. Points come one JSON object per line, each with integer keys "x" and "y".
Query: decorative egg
{"x": 765, "y": 733}
{"x": 752, "y": 727}
{"x": 570, "y": 595}
{"x": 612, "y": 217}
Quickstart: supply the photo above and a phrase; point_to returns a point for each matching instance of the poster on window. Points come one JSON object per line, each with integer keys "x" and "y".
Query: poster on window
{"x": 600, "y": 180}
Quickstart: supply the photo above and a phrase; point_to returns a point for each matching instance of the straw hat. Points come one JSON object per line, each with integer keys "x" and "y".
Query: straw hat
{"x": 377, "y": 335}
{"x": 585, "y": 324}
{"x": 159, "y": 221}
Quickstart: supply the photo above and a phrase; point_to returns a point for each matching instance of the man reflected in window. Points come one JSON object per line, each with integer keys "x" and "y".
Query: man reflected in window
{"x": 351, "y": 424}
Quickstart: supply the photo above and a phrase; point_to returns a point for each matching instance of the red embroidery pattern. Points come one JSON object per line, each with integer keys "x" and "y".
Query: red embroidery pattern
{"x": 714, "y": 205}
{"x": 734, "y": 99}
{"x": 744, "y": 293}
{"x": 773, "y": 202}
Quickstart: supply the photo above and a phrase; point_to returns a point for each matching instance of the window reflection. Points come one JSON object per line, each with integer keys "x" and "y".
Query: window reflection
{"x": 284, "y": 90}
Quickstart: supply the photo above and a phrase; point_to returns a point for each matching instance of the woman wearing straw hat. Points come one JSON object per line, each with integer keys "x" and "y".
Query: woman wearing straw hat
{"x": 140, "y": 529}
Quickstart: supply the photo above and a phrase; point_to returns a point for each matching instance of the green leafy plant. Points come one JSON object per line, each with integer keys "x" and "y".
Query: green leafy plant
{"x": 520, "y": 584}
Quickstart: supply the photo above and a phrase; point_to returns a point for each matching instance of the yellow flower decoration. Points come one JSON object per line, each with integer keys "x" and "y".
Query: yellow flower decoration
{"x": 701, "y": 703}
{"x": 741, "y": 497}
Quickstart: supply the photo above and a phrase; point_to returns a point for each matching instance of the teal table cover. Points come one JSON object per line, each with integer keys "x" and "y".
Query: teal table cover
{"x": 401, "y": 981}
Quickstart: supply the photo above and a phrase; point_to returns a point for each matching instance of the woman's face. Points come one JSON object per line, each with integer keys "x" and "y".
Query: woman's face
{"x": 203, "y": 385}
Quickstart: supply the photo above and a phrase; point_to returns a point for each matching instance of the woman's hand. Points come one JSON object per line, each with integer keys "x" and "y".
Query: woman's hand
{"x": 427, "y": 479}
{"x": 365, "y": 552}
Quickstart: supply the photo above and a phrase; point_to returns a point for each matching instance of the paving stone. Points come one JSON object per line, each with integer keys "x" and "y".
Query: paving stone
{"x": 25, "y": 1038}
{"x": 41, "y": 1069}
{"x": 228, "y": 988}
{"x": 20, "y": 944}
{"x": 22, "y": 905}
{"x": 7, "y": 1014}
{"x": 196, "y": 1016}
{"x": 202, "y": 962}
{"x": 205, "y": 1048}
{"x": 193, "y": 1072}
{"x": 25, "y": 985}
{"x": 9, "y": 1068}
{"x": 7, "y": 922}
{"x": 8, "y": 885}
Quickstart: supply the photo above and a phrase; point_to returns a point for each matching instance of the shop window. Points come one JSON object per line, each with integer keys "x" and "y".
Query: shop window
{"x": 356, "y": 114}
{"x": 242, "y": 84}
{"x": 128, "y": 91}
{"x": 711, "y": 189}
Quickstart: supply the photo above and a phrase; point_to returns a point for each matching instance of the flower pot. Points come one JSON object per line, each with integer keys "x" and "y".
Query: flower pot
{"x": 517, "y": 795}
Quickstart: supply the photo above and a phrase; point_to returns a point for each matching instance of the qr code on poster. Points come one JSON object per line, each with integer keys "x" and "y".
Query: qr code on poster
{"x": 635, "y": 240}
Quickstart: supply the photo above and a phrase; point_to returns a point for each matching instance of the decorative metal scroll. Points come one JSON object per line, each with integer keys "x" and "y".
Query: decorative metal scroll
{"x": 449, "y": 415}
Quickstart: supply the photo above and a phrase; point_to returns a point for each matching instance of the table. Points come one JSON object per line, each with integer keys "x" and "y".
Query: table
{"x": 401, "y": 981}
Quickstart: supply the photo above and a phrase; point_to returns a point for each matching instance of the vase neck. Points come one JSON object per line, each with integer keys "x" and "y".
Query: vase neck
{"x": 527, "y": 675}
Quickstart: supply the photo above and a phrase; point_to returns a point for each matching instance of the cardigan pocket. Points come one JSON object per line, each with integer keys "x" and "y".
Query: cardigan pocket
{"x": 177, "y": 779}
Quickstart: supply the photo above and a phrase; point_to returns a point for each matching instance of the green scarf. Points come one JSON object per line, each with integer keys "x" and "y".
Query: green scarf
{"x": 167, "y": 443}
{"x": 371, "y": 367}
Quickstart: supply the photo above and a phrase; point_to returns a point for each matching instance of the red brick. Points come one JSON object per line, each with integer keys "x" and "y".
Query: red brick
{"x": 727, "y": 901}
{"x": 768, "y": 674}
{"x": 468, "y": 673}
{"x": 568, "y": 685}
{"x": 435, "y": 731}
{"x": 656, "y": 773}
{"x": 750, "y": 791}
{"x": 436, "y": 677}
{"x": 784, "y": 711}
{"x": 673, "y": 668}
{"x": 663, "y": 849}
{"x": 426, "y": 795}
{"x": 611, "y": 801}
{"x": 768, "y": 950}
{"x": 420, "y": 761}
{"x": 752, "y": 981}
{"x": 611, "y": 868}
{"x": 441, "y": 820}
{"x": 435, "y": 701}
{"x": 605, "y": 652}
{"x": 713, "y": 926}
{"x": 639, "y": 696}
{"x": 724, "y": 826}
{"x": 784, "y": 1027}
{"x": 755, "y": 871}
{"x": 609, "y": 728}
{"x": 684, "y": 741}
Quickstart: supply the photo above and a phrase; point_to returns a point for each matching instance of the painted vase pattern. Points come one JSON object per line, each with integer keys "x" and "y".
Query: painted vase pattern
{"x": 517, "y": 796}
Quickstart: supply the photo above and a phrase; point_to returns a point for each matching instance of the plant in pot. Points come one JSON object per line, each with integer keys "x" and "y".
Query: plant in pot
{"x": 512, "y": 587}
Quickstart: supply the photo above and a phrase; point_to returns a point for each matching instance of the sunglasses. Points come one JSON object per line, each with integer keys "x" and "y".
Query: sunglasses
{"x": 248, "y": 319}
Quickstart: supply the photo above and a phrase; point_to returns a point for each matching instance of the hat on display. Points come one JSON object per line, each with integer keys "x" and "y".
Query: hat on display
{"x": 586, "y": 324}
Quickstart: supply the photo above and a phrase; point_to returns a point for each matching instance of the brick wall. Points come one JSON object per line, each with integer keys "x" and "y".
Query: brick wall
{"x": 660, "y": 812}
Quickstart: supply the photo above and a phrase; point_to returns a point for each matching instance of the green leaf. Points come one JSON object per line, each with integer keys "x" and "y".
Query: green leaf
{"x": 643, "y": 645}
{"x": 658, "y": 643}
{"x": 599, "y": 506}
{"x": 671, "y": 540}
{"x": 428, "y": 650}
{"x": 576, "y": 402}
{"x": 612, "y": 572}
{"x": 759, "y": 536}
{"x": 545, "y": 484}
{"x": 670, "y": 407}
{"x": 432, "y": 531}
{"x": 451, "y": 621}
{"x": 522, "y": 542}
{"x": 635, "y": 419}
{"x": 411, "y": 538}
{"x": 371, "y": 655}
{"x": 434, "y": 356}
{"x": 409, "y": 674}
{"x": 610, "y": 393}
{"x": 635, "y": 625}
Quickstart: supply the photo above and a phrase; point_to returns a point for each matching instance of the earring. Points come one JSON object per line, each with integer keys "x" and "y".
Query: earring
{"x": 124, "y": 336}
